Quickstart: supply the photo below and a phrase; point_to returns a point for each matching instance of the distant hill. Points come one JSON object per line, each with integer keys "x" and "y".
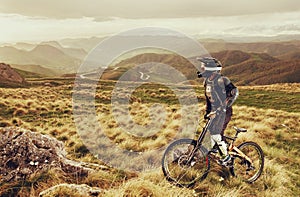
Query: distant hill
{"x": 52, "y": 43}
{"x": 78, "y": 53}
{"x": 243, "y": 68}
{"x": 9, "y": 77}
{"x": 53, "y": 57}
{"x": 27, "y": 74}
{"x": 175, "y": 61}
{"x": 24, "y": 46}
{"x": 279, "y": 72}
{"x": 294, "y": 55}
{"x": 81, "y": 43}
{"x": 243, "y": 62}
{"x": 253, "y": 72}
{"x": 258, "y": 68}
{"x": 271, "y": 48}
{"x": 232, "y": 57}
{"x": 37, "y": 69}
{"x": 45, "y": 55}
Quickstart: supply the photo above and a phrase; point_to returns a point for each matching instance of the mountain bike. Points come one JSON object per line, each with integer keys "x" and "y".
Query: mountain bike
{"x": 187, "y": 161}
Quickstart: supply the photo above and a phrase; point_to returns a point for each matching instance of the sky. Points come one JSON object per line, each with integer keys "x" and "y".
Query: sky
{"x": 41, "y": 20}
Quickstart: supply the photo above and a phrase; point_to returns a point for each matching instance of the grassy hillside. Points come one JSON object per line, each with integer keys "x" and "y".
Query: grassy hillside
{"x": 272, "y": 48}
{"x": 271, "y": 113}
{"x": 246, "y": 63}
{"x": 241, "y": 67}
{"x": 294, "y": 55}
{"x": 232, "y": 57}
{"x": 36, "y": 69}
{"x": 257, "y": 72}
{"x": 27, "y": 74}
{"x": 175, "y": 61}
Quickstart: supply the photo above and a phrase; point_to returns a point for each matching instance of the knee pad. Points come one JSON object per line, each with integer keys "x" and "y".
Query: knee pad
{"x": 222, "y": 145}
{"x": 217, "y": 138}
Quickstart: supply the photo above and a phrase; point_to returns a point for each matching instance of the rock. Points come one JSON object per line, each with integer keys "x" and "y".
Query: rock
{"x": 9, "y": 76}
{"x": 23, "y": 152}
{"x": 76, "y": 190}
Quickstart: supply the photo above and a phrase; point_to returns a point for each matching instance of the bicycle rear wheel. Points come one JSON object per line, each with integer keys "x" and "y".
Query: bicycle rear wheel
{"x": 179, "y": 169}
{"x": 245, "y": 170}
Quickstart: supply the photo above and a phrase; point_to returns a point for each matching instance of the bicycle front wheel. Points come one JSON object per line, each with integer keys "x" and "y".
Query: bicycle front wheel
{"x": 249, "y": 171}
{"x": 182, "y": 167}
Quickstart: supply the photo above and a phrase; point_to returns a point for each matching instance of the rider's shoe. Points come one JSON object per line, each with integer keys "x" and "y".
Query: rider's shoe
{"x": 214, "y": 151}
{"x": 226, "y": 161}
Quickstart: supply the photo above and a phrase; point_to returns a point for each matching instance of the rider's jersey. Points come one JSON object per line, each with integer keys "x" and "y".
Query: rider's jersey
{"x": 219, "y": 92}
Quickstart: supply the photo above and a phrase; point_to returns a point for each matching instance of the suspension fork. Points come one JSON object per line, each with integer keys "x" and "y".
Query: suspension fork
{"x": 199, "y": 141}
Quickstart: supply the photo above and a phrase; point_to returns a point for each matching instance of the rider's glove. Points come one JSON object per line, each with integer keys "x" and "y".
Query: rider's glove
{"x": 199, "y": 74}
{"x": 206, "y": 117}
{"x": 221, "y": 109}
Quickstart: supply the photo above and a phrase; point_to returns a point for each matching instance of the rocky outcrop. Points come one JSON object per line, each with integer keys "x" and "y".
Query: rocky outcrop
{"x": 9, "y": 76}
{"x": 76, "y": 190}
{"x": 23, "y": 153}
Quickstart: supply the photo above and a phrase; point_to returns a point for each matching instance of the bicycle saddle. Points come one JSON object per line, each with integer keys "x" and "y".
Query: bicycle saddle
{"x": 240, "y": 129}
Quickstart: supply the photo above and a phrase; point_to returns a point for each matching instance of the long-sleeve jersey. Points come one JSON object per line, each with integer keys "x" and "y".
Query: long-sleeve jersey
{"x": 219, "y": 92}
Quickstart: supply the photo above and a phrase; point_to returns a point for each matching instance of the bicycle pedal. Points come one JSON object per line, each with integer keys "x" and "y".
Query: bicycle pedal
{"x": 250, "y": 168}
{"x": 229, "y": 164}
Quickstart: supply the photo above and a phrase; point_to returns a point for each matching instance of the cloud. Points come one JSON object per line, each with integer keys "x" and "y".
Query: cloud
{"x": 24, "y": 28}
{"x": 134, "y": 9}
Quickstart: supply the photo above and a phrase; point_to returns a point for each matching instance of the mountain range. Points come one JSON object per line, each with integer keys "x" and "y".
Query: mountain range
{"x": 245, "y": 63}
{"x": 241, "y": 67}
{"x": 50, "y": 55}
{"x": 272, "y": 48}
{"x": 259, "y": 68}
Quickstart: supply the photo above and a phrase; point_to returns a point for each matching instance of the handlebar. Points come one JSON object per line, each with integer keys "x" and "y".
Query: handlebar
{"x": 215, "y": 112}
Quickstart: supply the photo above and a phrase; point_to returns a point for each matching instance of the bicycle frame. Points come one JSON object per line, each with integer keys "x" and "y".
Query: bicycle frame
{"x": 232, "y": 150}
{"x": 199, "y": 140}
{"x": 191, "y": 151}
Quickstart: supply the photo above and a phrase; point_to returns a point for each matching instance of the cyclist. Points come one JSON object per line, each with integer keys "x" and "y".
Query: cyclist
{"x": 220, "y": 94}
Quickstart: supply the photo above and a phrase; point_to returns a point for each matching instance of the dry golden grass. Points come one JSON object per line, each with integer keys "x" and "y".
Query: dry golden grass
{"x": 286, "y": 87}
{"x": 48, "y": 110}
